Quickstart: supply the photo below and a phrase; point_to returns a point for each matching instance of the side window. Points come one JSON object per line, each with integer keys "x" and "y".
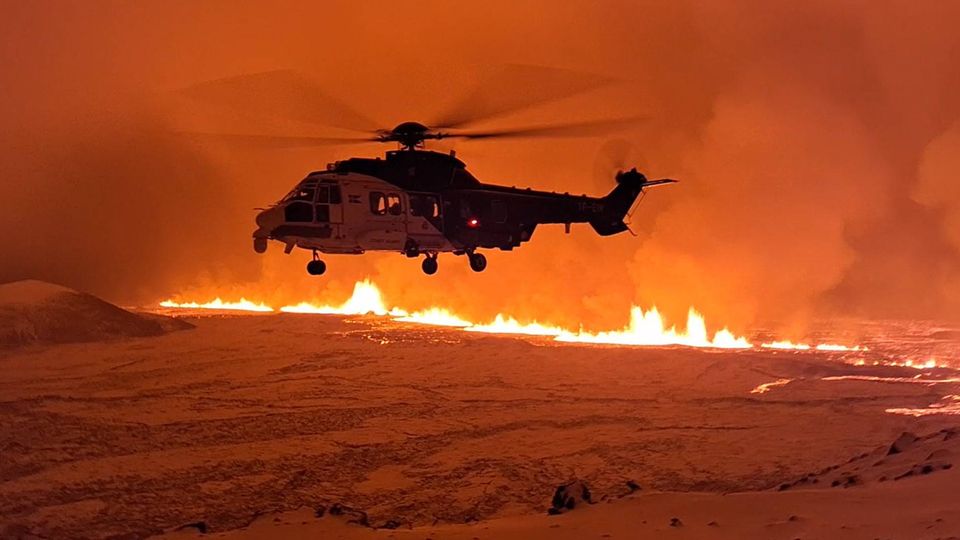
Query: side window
{"x": 425, "y": 206}
{"x": 335, "y": 194}
{"x": 393, "y": 204}
{"x": 378, "y": 203}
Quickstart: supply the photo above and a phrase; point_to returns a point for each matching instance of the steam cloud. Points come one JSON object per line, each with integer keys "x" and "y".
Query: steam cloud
{"x": 817, "y": 146}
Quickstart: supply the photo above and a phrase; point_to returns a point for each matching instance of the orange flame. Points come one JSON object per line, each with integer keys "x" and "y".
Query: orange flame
{"x": 242, "y": 305}
{"x": 829, "y": 347}
{"x": 509, "y": 325}
{"x": 786, "y": 345}
{"x": 366, "y": 299}
{"x": 646, "y": 328}
{"x": 434, "y": 317}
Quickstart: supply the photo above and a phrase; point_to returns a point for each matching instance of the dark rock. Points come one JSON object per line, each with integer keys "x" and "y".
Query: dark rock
{"x": 390, "y": 524}
{"x": 633, "y": 486}
{"x": 200, "y": 526}
{"x": 568, "y": 496}
{"x": 904, "y": 475}
{"x": 675, "y": 522}
{"x": 904, "y": 441}
{"x": 350, "y": 515}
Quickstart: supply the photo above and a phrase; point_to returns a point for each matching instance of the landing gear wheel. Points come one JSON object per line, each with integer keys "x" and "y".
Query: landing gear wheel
{"x": 477, "y": 262}
{"x": 260, "y": 244}
{"x": 316, "y": 267}
{"x": 429, "y": 265}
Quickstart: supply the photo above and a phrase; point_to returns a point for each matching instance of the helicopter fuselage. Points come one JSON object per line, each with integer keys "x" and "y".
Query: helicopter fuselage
{"x": 424, "y": 203}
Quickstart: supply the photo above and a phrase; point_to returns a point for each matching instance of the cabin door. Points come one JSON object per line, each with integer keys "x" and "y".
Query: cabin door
{"x": 425, "y": 221}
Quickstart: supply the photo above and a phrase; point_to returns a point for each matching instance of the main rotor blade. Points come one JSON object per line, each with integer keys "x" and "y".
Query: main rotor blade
{"x": 283, "y": 93}
{"x": 278, "y": 141}
{"x": 576, "y": 129}
{"x": 515, "y": 87}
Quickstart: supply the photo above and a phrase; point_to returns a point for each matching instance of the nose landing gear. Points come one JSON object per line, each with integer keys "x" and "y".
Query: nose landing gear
{"x": 316, "y": 267}
{"x": 429, "y": 264}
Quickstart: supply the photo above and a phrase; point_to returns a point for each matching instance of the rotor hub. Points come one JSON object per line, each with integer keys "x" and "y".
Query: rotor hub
{"x": 410, "y": 135}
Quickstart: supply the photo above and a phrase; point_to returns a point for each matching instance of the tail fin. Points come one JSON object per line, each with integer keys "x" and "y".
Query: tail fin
{"x": 617, "y": 203}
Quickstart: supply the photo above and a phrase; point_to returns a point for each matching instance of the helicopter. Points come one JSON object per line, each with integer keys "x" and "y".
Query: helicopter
{"x": 412, "y": 201}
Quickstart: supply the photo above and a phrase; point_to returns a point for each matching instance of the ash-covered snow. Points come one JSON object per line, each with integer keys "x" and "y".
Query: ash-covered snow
{"x": 37, "y": 312}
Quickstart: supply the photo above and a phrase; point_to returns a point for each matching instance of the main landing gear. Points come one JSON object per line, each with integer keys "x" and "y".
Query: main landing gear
{"x": 429, "y": 264}
{"x": 478, "y": 263}
{"x": 316, "y": 267}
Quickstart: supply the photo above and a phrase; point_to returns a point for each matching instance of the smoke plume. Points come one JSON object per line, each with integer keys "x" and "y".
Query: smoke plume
{"x": 816, "y": 145}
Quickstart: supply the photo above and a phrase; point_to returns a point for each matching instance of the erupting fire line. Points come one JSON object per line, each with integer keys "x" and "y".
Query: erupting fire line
{"x": 646, "y": 328}
{"x": 242, "y": 305}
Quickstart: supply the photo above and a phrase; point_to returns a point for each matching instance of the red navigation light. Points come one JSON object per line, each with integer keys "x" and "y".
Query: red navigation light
{"x": 473, "y": 223}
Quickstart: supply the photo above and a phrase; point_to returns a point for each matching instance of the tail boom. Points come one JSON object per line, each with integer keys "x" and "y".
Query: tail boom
{"x": 617, "y": 203}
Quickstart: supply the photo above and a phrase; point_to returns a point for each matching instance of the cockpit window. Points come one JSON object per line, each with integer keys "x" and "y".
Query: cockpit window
{"x": 300, "y": 194}
{"x": 298, "y": 212}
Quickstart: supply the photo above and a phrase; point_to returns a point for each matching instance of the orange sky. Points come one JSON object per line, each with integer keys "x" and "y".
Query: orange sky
{"x": 817, "y": 146}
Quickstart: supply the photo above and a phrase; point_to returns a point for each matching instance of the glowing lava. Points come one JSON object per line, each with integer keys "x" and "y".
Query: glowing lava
{"x": 433, "y": 317}
{"x": 645, "y": 328}
{"x": 949, "y": 405}
{"x": 839, "y": 348}
{"x": 242, "y": 305}
{"x": 765, "y": 387}
{"x": 366, "y": 299}
{"x": 648, "y": 328}
{"x": 829, "y": 347}
{"x": 509, "y": 325}
{"x": 786, "y": 345}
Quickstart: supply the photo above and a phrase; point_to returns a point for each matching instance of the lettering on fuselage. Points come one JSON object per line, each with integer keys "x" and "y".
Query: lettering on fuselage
{"x": 590, "y": 206}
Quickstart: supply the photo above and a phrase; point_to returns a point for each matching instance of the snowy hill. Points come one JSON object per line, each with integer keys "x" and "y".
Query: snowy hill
{"x": 36, "y": 312}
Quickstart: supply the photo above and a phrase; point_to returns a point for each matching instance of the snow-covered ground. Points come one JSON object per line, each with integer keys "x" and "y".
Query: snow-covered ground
{"x": 37, "y": 313}
{"x": 458, "y": 435}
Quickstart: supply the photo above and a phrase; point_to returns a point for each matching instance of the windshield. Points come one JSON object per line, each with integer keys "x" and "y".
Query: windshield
{"x": 302, "y": 192}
